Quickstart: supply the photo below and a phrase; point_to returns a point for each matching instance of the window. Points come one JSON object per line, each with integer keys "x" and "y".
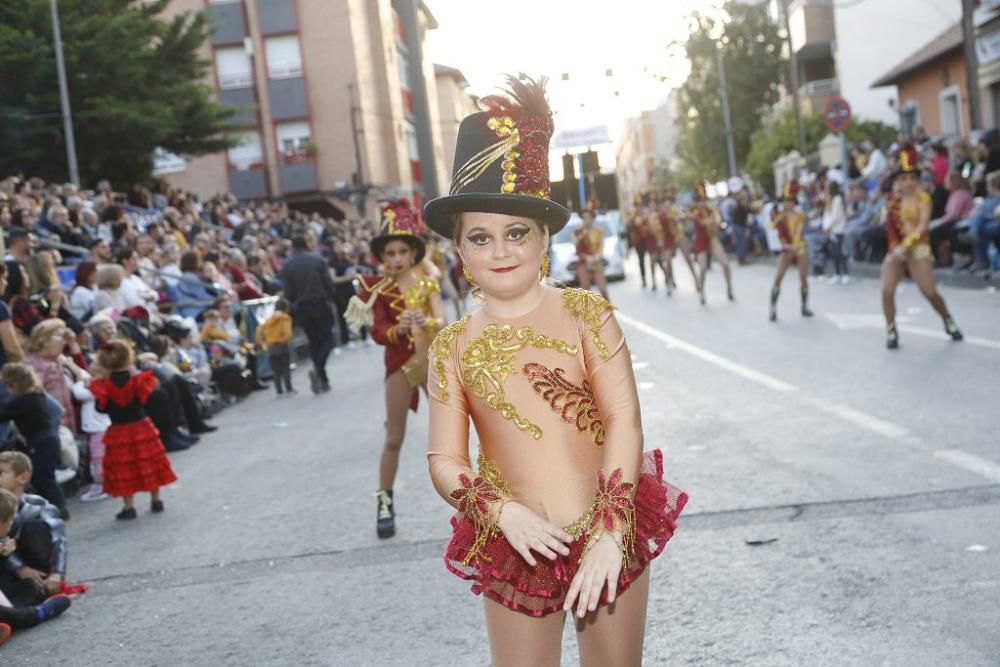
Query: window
{"x": 233, "y": 67}
{"x": 404, "y": 74}
{"x": 950, "y": 101}
{"x": 909, "y": 116}
{"x": 248, "y": 154}
{"x": 284, "y": 59}
{"x": 411, "y": 141}
{"x": 293, "y": 138}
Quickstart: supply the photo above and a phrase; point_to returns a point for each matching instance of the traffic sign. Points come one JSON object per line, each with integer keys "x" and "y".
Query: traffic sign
{"x": 838, "y": 115}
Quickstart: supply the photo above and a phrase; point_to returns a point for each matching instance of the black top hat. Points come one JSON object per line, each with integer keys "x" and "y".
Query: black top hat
{"x": 400, "y": 221}
{"x": 502, "y": 162}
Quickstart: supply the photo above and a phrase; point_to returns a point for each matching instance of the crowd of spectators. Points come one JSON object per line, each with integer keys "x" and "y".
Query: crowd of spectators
{"x": 185, "y": 282}
{"x": 845, "y": 206}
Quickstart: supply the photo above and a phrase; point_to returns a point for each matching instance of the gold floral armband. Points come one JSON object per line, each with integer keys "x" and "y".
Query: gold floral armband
{"x": 481, "y": 501}
{"x": 432, "y": 326}
{"x": 910, "y": 240}
{"x": 613, "y": 513}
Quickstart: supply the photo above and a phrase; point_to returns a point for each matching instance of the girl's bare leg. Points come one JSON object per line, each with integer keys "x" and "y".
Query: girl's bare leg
{"x": 518, "y": 640}
{"x": 602, "y": 281}
{"x": 719, "y": 253}
{"x": 397, "y": 401}
{"x": 129, "y": 502}
{"x": 784, "y": 261}
{"x": 613, "y": 634}
{"x": 154, "y": 495}
{"x": 686, "y": 253}
{"x": 583, "y": 275}
{"x": 804, "y": 271}
{"x": 922, "y": 272}
{"x": 702, "y": 270}
{"x": 892, "y": 273}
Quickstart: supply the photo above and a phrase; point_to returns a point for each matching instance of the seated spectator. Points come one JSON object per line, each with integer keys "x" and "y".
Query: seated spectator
{"x": 191, "y": 294}
{"x": 984, "y": 227}
{"x": 38, "y": 529}
{"x": 10, "y": 343}
{"x": 45, "y": 354}
{"x": 258, "y": 267}
{"x": 37, "y": 418}
{"x": 211, "y": 329}
{"x": 18, "y": 244}
{"x": 109, "y": 293}
{"x": 864, "y": 213}
{"x": 943, "y": 229}
{"x": 170, "y": 272}
{"x": 245, "y": 283}
{"x": 81, "y": 297}
{"x": 17, "y": 609}
{"x": 133, "y": 288}
{"x": 28, "y": 311}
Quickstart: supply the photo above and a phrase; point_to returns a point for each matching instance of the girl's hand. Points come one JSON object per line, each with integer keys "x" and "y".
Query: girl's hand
{"x": 405, "y": 320}
{"x": 527, "y": 532}
{"x": 418, "y": 320}
{"x": 7, "y": 546}
{"x": 601, "y": 564}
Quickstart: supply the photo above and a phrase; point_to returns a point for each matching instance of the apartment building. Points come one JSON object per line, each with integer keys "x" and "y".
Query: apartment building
{"x": 648, "y": 142}
{"x": 330, "y": 93}
{"x": 454, "y": 104}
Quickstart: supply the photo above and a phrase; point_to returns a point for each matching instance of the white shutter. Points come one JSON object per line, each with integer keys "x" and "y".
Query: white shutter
{"x": 293, "y": 137}
{"x": 233, "y": 67}
{"x": 248, "y": 153}
{"x": 284, "y": 59}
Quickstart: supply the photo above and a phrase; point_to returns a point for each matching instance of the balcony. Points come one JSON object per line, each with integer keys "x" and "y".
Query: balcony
{"x": 248, "y": 183}
{"x": 812, "y": 29}
{"x": 297, "y": 173}
{"x": 228, "y": 23}
{"x": 242, "y": 99}
{"x": 288, "y": 98}
{"x": 276, "y": 16}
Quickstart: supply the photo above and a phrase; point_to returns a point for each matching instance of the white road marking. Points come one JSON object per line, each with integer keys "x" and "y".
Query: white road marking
{"x": 970, "y": 462}
{"x": 646, "y": 385}
{"x": 672, "y": 342}
{"x": 847, "y": 321}
{"x": 941, "y": 335}
{"x": 639, "y": 365}
{"x": 858, "y": 418}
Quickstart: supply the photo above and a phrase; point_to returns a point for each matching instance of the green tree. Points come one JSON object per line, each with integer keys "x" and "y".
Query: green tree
{"x": 135, "y": 82}
{"x": 750, "y": 47}
{"x": 778, "y": 137}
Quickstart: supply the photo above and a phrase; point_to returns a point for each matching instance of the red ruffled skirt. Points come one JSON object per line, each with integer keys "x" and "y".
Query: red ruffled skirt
{"x": 501, "y": 574}
{"x": 134, "y": 459}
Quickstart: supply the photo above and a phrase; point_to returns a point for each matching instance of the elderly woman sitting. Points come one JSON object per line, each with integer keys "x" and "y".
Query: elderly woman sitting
{"x": 109, "y": 293}
{"x": 49, "y": 340}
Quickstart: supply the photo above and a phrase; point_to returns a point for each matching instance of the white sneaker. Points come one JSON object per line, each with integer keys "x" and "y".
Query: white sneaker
{"x": 63, "y": 475}
{"x": 351, "y": 345}
{"x": 94, "y": 493}
{"x": 369, "y": 342}
{"x": 831, "y": 280}
{"x": 845, "y": 279}
{"x": 337, "y": 351}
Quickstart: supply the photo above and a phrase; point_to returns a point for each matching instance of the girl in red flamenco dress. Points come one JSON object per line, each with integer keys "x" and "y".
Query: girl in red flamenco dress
{"x": 135, "y": 459}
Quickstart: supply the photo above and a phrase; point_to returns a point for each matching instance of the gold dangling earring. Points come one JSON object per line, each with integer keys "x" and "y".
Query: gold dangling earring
{"x": 468, "y": 277}
{"x": 545, "y": 267}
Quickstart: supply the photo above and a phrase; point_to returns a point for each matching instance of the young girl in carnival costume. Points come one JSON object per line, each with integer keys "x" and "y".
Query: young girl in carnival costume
{"x": 403, "y": 311}
{"x": 134, "y": 457}
{"x": 673, "y": 240}
{"x": 565, "y": 510}
{"x": 790, "y": 224}
{"x": 908, "y": 215}
{"x": 707, "y": 225}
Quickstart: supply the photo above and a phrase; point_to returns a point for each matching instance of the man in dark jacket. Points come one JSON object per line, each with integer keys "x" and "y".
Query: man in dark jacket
{"x": 310, "y": 290}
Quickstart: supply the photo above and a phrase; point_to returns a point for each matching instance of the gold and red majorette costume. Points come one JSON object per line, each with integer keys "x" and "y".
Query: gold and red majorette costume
{"x": 705, "y": 223}
{"x": 791, "y": 225}
{"x": 552, "y": 397}
{"x": 903, "y": 218}
{"x": 589, "y": 246}
{"x": 380, "y": 302}
{"x": 672, "y": 232}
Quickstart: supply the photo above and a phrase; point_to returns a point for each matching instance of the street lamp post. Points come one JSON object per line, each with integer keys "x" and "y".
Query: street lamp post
{"x": 67, "y": 114}
{"x": 730, "y": 150}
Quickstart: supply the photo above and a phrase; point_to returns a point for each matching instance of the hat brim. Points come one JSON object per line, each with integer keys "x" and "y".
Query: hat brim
{"x": 438, "y": 213}
{"x": 378, "y": 244}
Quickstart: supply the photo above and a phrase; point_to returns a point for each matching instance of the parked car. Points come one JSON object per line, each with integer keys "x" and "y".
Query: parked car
{"x": 563, "y": 252}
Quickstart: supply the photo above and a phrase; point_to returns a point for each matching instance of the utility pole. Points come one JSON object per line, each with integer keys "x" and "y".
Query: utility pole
{"x": 971, "y": 64}
{"x": 67, "y": 114}
{"x": 793, "y": 80}
{"x": 730, "y": 150}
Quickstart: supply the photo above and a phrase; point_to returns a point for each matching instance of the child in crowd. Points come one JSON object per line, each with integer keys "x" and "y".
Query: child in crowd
{"x": 275, "y": 336}
{"x": 17, "y": 617}
{"x": 39, "y": 559}
{"x": 93, "y": 424}
{"x": 211, "y": 329}
{"x": 37, "y": 417}
{"x": 135, "y": 459}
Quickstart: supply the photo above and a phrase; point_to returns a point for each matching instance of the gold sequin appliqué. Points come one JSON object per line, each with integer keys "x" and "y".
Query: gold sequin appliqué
{"x": 488, "y": 361}
{"x": 575, "y": 404}
{"x": 589, "y": 307}
{"x": 442, "y": 350}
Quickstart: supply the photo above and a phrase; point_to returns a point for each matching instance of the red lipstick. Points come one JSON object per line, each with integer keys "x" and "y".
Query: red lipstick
{"x": 504, "y": 269}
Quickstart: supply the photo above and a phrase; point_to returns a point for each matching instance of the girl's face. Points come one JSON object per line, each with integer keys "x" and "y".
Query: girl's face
{"x": 398, "y": 256}
{"x": 907, "y": 183}
{"x": 503, "y": 252}
{"x": 55, "y": 345}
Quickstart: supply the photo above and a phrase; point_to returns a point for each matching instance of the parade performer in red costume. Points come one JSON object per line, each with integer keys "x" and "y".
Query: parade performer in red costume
{"x": 908, "y": 215}
{"x": 673, "y": 240}
{"x": 707, "y": 225}
{"x": 790, "y": 224}
{"x": 637, "y": 235}
{"x": 403, "y": 310}
{"x": 589, "y": 241}
{"x": 134, "y": 458}
{"x": 565, "y": 511}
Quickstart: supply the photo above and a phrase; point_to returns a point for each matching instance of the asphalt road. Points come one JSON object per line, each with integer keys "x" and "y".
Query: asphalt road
{"x": 871, "y": 477}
